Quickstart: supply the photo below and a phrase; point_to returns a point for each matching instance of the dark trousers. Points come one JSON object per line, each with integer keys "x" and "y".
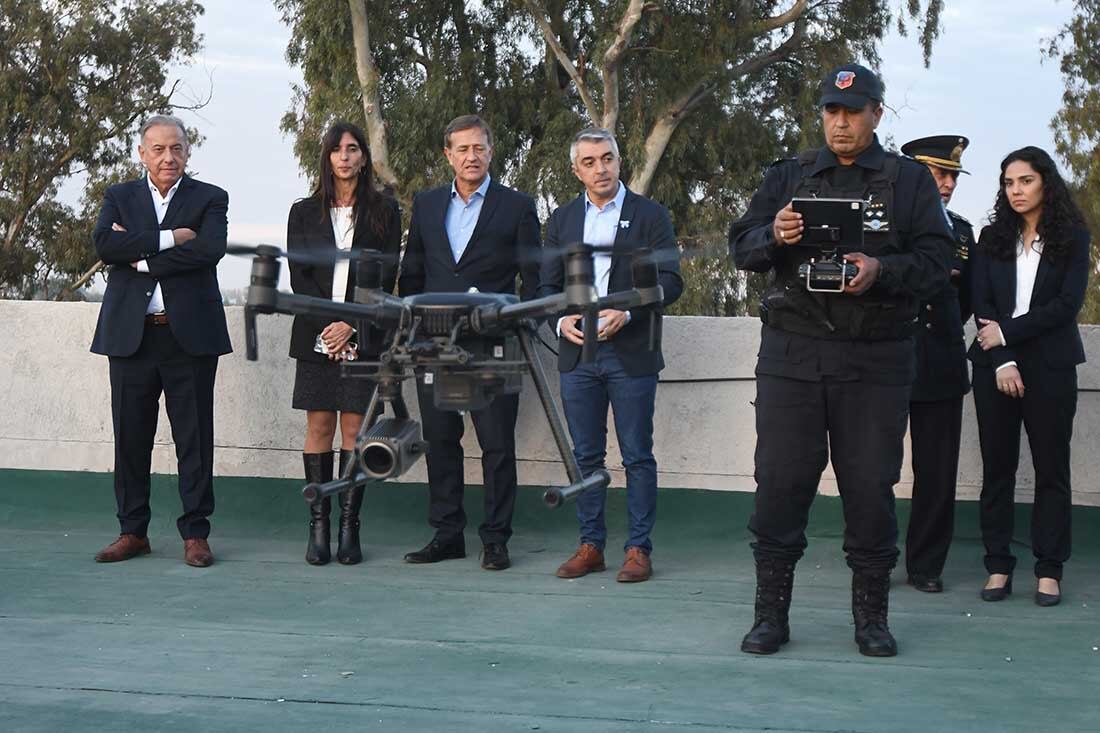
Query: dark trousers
{"x": 1046, "y": 412}
{"x": 496, "y": 434}
{"x": 935, "y": 429}
{"x": 798, "y": 423}
{"x": 160, "y": 365}
{"x": 586, "y": 392}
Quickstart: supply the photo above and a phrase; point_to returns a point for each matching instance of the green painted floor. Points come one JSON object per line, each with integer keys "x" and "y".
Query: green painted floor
{"x": 262, "y": 641}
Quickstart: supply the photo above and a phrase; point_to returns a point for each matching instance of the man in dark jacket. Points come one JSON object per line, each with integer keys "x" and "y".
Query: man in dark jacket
{"x": 624, "y": 373}
{"x": 835, "y": 368}
{"x": 162, "y": 327}
{"x": 935, "y": 406}
{"x": 472, "y": 233}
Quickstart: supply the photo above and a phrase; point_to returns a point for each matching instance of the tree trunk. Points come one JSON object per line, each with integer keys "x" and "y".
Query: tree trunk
{"x": 372, "y": 102}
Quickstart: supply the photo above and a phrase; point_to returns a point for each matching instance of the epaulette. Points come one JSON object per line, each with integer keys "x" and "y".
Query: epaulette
{"x": 960, "y": 217}
{"x": 781, "y": 161}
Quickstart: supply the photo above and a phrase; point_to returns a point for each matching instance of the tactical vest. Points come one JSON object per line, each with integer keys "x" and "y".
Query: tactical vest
{"x": 873, "y": 316}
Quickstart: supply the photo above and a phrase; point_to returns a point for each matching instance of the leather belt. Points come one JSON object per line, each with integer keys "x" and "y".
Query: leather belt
{"x": 156, "y": 319}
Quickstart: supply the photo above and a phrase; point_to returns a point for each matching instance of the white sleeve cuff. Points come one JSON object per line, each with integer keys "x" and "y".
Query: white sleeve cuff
{"x": 627, "y": 316}
{"x": 1001, "y": 336}
{"x": 142, "y": 266}
{"x": 1006, "y": 364}
{"x": 167, "y": 241}
{"x": 559, "y": 325}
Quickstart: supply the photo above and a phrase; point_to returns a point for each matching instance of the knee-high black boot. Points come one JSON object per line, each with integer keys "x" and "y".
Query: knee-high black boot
{"x": 770, "y": 629}
{"x": 870, "y": 604}
{"x": 318, "y": 468}
{"x": 349, "y": 552}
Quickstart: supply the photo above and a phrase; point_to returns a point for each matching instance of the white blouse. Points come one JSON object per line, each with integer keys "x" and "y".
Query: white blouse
{"x": 1027, "y": 267}
{"x": 343, "y": 228}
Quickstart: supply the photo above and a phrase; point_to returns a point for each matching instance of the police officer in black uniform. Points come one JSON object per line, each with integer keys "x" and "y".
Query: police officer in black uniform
{"x": 935, "y": 407}
{"x": 834, "y": 370}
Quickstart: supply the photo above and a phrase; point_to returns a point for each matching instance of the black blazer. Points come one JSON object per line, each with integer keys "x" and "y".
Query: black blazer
{"x": 1047, "y": 335}
{"x": 649, "y": 225}
{"x": 187, "y": 274}
{"x": 505, "y": 243}
{"x": 309, "y": 230}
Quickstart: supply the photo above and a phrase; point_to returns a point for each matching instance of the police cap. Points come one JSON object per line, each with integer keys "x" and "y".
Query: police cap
{"x": 942, "y": 151}
{"x": 852, "y": 86}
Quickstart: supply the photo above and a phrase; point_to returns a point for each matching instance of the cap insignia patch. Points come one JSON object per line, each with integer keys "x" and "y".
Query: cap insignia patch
{"x": 845, "y": 79}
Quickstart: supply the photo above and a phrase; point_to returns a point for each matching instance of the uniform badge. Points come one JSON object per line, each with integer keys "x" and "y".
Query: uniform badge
{"x": 875, "y": 217}
{"x": 845, "y": 79}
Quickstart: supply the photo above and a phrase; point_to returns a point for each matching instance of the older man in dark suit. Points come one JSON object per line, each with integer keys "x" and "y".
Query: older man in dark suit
{"x": 162, "y": 327}
{"x": 472, "y": 233}
{"x": 624, "y": 374}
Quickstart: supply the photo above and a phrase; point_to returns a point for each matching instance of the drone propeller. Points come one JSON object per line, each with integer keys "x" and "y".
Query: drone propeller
{"x": 659, "y": 256}
{"x": 322, "y": 258}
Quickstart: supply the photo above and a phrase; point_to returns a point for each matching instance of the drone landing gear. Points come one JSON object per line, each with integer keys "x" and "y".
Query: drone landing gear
{"x": 555, "y": 496}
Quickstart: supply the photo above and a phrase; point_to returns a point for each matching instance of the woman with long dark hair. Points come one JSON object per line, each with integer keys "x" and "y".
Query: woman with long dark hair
{"x": 345, "y": 212}
{"x": 1030, "y": 271}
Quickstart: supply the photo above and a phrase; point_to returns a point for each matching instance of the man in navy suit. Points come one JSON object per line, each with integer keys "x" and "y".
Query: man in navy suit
{"x": 628, "y": 358}
{"x": 162, "y": 327}
{"x": 473, "y": 233}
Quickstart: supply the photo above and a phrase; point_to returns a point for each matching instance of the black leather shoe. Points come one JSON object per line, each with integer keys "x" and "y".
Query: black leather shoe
{"x": 875, "y": 640}
{"x": 998, "y": 594}
{"x": 435, "y": 551}
{"x": 494, "y": 556}
{"x": 926, "y": 583}
{"x": 765, "y": 638}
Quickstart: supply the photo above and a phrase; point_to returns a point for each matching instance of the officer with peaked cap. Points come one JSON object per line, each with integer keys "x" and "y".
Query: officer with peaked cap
{"x": 935, "y": 406}
{"x": 835, "y": 369}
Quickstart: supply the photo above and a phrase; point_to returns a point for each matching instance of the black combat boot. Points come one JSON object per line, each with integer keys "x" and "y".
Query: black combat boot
{"x": 770, "y": 630}
{"x": 318, "y": 471}
{"x": 349, "y": 552}
{"x": 870, "y": 602}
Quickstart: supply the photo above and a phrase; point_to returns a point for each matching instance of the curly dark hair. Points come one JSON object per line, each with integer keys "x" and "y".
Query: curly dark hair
{"x": 368, "y": 198}
{"x": 1057, "y": 221}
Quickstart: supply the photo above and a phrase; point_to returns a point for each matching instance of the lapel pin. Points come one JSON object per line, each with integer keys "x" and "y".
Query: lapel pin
{"x": 624, "y": 224}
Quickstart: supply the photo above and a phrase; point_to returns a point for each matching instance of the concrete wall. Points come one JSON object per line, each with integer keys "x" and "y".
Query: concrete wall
{"x": 56, "y": 411}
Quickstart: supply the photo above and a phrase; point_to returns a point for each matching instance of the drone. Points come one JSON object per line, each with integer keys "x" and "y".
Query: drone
{"x": 469, "y": 346}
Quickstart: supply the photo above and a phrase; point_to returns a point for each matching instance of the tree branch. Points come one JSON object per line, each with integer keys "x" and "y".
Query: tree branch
{"x": 367, "y": 72}
{"x": 768, "y": 25}
{"x": 613, "y": 58}
{"x": 552, "y": 41}
{"x": 657, "y": 140}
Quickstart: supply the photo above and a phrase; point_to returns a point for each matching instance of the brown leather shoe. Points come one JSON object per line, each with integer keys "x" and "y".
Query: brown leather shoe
{"x": 636, "y": 567}
{"x": 196, "y": 553}
{"x": 587, "y": 559}
{"x": 125, "y": 547}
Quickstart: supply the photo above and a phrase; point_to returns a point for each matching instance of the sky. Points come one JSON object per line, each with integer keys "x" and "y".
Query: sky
{"x": 987, "y": 81}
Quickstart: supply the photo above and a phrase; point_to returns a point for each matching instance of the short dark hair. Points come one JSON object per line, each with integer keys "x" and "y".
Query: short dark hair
{"x": 466, "y": 122}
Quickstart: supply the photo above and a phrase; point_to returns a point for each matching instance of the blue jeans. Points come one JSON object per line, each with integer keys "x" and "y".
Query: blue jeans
{"x": 586, "y": 393}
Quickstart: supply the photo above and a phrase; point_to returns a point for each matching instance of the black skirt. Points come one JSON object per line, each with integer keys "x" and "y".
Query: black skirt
{"x": 319, "y": 386}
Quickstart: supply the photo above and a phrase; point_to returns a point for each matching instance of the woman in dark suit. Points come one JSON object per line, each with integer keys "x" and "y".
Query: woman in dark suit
{"x": 345, "y": 212}
{"x": 1029, "y": 278}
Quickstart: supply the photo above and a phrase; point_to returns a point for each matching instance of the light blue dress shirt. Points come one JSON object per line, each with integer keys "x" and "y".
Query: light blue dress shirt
{"x": 601, "y": 224}
{"x": 462, "y": 217}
